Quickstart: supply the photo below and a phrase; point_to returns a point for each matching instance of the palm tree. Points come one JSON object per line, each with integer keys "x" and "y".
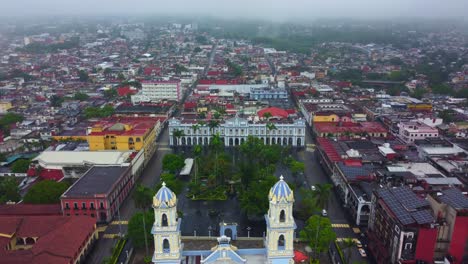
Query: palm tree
{"x": 270, "y": 126}
{"x": 197, "y": 149}
{"x": 212, "y": 125}
{"x": 267, "y": 115}
{"x": 177, "y": 133}
{"x": 348, "y": 244}
{"x": 195, "y": 128}
{"x": 322, "y": 194}
{"x": 142, "y": 197}
{"x": 216, "y": 144}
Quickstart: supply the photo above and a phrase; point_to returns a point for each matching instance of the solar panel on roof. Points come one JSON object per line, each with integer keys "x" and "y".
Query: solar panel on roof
{"x": 454, "y": 198}
{"x": 423, "y": 216}
{"x": 408, "y": 198}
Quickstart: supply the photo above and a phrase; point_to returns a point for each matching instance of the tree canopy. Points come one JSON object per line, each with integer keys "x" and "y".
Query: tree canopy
{"x": 20, "y": 166}
{"x": 81, "y": 96}
{"x": 172, "y": 183}
{"x": 173, "y": 163}
{"x": 318, "y": 233}
{"x": 45, "y": 192}
{"x": 9, "y": 190}
{"x": 98, "y": 112}
{"x": 136, "y": 231}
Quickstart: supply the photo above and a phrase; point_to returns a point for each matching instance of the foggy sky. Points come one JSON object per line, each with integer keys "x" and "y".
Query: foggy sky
{"x": 261, "y": 9}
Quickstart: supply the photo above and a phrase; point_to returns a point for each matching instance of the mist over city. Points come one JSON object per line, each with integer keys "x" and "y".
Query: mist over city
{"x": 204, "y": 132}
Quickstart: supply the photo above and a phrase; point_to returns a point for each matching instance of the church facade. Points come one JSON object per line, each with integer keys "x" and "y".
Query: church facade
{"x": 277, "y": 247}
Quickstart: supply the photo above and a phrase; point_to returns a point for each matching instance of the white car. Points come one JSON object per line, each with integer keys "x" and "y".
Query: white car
{"x": 362, "y": 252}
{"x": 312, "y": 187}
{"x": 324, "y": 212}
{"x": 358, "y": 243}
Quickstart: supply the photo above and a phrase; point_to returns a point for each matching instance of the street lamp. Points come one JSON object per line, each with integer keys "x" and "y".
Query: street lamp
{"x": 209, "y": 231}
{"x": 248, "y": 231}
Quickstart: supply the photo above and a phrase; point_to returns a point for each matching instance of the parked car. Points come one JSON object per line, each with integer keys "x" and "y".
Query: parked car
{"x": 362, "y": 252}
{"x": 324, "y": 212}
{"x": 358, "y": 243}
{"x": 312, "y": 187}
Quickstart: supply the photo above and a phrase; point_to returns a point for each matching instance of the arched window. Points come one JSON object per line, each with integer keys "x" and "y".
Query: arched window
{"x": 282, "y": 217}
{"x": 138, "y": 139}
{"x": 281, "y": 242}
{"x": 130, "y": 140}
{"x": 164, "y": 220}
{"x": 166, "y": 246}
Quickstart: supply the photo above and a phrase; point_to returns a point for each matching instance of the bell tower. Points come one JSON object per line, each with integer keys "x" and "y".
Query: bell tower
{"x": 280, "y": 224}
{"x": 166, "y": 228}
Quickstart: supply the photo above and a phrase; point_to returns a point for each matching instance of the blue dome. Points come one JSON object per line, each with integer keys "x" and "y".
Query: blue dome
{"x": 164, "y": 198}
{"x": 281, "y": 192}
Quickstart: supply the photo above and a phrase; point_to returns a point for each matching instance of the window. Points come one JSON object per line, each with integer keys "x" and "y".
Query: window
{"x": 164, "y": 220}
{"x": 281, "y": 242}
{"x": 101, "y": 205}
{"x": 138, "y": 139}
{"x": 67, "y": 206}
{"x": 282, "y": 217}
{"x": 91, "y": 205}
{"x": 166, "y": 246}
{"x": 408, "y": 246}
{"x": 83, "y": 205}
{"x": 75, "y": 206}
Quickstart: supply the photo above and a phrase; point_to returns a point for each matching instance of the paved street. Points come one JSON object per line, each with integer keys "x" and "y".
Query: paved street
{"x": 341, "y": 222}
{"x": 150, "y": 177}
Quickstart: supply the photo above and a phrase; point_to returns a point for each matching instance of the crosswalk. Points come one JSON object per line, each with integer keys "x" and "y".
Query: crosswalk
{"x": 341, "y": 239}
{"x": 340, "y": 226}
{"x": 310, "y": 147}
{"x": 110, "y": 236}
{"x": 101, "y": 229}
{"x": 123, "y": 222}
{"x": 164, "y": 149}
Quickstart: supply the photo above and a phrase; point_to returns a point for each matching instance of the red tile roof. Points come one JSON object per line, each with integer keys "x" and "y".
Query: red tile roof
{"x": 60, "y": 238}
{"x": 363, "y": 127}
{"x": 329, "y": 149}
{"x": 30, "y": 209}
{"x": 274, "y": 111}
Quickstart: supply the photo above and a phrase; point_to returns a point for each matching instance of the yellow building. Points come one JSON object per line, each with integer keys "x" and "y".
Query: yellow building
{"x": 125, "y": 134}
{"x": 326, "y": 118}
{"x": 5, "y": 106}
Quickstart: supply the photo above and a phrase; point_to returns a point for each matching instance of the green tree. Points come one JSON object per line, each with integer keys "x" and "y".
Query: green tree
{"x": 447, "y": 116}
{"x": 318, "y": 233}
{"x": 137, "y": 230}
{"x": 348, "y": 244}
{"x": 97, "y": 112}
{"x": 171, "y": 182}
{"x": 197, "y": 50}
{"x": 442, "y": 89}
{"x": 296, "y": 167}
{"x": 254, "y": 200}
{"x": 110, "y": 94}
{"x": 121, "y": 76}
{"x": 177, "y": 133}
{"x": 81, "y": 96}
{"x": 107, "y": 72}
{"x": 267, "y": 115}
{"x": 45, "y": 192}
{"x": 83, "y": 75}
{"x": 56, "y": 101}
{"x": 20, "y": 166}
{"x": 322, "y": 194}
{"x": 307, "y": 206}
{"x": 8, "y": 119}
{"x": 142, "y": 197}
{"x": 9, "y": 190}
{"x": 173, "y": 163}
{"x": 197, "y": 150}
